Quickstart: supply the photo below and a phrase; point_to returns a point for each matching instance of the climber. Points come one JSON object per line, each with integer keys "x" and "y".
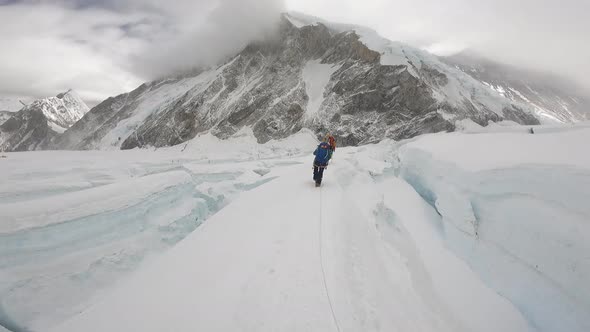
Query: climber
{"x": 323, "y": 153}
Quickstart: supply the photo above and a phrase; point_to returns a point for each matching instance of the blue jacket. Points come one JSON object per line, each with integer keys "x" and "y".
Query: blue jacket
{"x": 323, "y": 153}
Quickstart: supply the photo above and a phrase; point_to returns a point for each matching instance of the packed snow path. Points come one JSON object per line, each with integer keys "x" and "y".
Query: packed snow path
{"x": 290, "y": 257}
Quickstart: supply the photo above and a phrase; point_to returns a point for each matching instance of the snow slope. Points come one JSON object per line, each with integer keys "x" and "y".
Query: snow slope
{"x": 316, "y": 76}
{"x": 446, "y": 232}
{"x": 162, "y": 95}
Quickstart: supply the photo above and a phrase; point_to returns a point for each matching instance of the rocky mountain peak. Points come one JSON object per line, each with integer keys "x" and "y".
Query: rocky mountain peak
{"x": 26, "y": 130}
{"x": 37, "y": 124}
{"x": 62, "y": 111}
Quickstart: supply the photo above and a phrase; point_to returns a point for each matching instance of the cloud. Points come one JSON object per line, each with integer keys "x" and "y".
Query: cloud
{"x": 47, "y": 49}
{"x": 545, "y": 35}
{"x": 218, "y": 31}
{"x": 105, "y": 47}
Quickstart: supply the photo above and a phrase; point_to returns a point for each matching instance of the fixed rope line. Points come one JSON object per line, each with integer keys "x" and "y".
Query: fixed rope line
{"x": 323, "y": 270}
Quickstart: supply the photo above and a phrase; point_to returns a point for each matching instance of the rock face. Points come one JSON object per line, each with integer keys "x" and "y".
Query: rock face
{"x": 346, "y": 81}
{"x": 553, "y": 98}
{"x": 35, "y": 126}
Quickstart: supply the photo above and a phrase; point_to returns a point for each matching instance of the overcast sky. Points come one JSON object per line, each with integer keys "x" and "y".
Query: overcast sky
{"x": 105, "y": 47}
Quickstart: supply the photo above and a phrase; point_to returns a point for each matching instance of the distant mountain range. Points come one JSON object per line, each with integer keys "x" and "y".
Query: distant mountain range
{"x": 553, "y": 98}
{"x": 37, "y": 124}
{"x": 342, "y": 79}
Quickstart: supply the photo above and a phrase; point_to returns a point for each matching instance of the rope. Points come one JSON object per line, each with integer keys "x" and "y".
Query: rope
{"x": 323, "y": 271}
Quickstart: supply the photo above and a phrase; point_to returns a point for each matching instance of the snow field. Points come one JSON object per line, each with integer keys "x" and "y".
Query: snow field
{"x": 446, "y": 232}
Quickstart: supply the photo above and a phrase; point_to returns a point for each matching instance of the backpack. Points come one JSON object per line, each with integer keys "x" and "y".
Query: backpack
{"x": 332, "y": 142}
{"x": 323, "y": 153}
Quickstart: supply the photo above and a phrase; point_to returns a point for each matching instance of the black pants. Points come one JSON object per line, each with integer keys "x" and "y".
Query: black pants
{"x": 318, "y": 173}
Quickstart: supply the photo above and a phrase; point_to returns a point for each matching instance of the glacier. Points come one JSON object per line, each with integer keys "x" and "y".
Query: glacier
{"x": 519, "y": 217}
{"x": 481, "y": 230}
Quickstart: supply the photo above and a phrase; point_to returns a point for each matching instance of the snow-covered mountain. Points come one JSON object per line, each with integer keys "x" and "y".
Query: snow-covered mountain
{"x": 26, "y": 130}
{"x": 61, "y": 111}
{"x": 553, "y": 99}
{"x": 37, "y": 124}
{"x": 346, "y": 80}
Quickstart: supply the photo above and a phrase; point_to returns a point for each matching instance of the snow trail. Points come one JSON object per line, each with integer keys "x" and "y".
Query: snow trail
{"x": 322, "y": 265}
